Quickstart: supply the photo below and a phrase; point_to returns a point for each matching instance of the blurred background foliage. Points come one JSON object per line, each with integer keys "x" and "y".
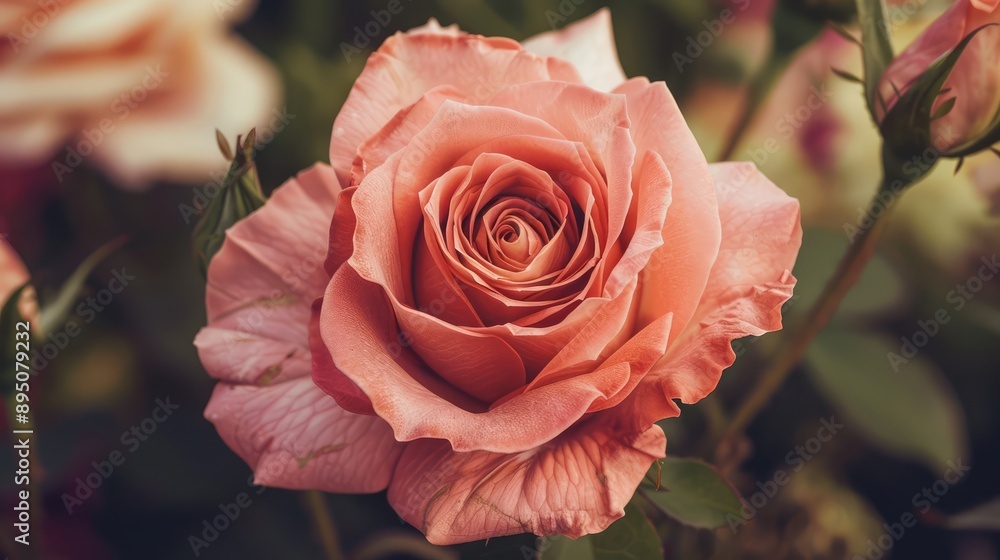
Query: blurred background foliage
{"x": 901, "y": 427}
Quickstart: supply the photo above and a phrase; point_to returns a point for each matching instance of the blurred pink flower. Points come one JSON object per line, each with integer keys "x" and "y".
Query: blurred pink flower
{"x": 529, "y": 261}
{"x": 136, "y": 86}
{"x": 974, "y": 83}
{"x": 13, "y": 275}
{"x": 12, "y": 271}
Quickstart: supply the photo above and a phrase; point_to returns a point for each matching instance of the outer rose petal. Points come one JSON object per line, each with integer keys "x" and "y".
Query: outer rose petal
{"x": 576, "y": 485}
{"x": 295, "y": 436}
{"x": 261, "y": 287}
{"x": 749, "y": 283}
{"x": 409, "y": 65}
{"x": 588, "y": 44}
{"x": 676, "y": 275}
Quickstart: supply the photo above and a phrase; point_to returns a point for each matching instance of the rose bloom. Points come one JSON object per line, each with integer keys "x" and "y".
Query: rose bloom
{"x": 814, "y": 137}
{"x": 515, "y": 263}
{"x": 136, "y": 87}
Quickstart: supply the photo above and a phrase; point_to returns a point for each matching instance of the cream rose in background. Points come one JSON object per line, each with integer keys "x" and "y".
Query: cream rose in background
{"x": 142, "y": 84}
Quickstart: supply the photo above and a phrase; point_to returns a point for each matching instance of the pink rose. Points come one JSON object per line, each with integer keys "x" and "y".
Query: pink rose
{"x": 136, "y": 87}
{"x": 514, "y": 265}
{"x": 974, "y": 82}
{"x": 12, "y": 276}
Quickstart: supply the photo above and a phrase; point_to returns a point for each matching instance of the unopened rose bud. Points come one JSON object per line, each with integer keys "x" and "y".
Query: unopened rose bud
{"x": 943, "y": 91}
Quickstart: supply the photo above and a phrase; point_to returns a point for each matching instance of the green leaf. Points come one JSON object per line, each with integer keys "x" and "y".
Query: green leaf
{"x": 629, "y": 538}
{"x": 695, "y": 494}
{"x": 54, "y": 313}
{"x": 985, "y": 517}
{"x": 876, "y": 46}
{"x": 239, "y": 195}
{"x": 912, "y": 413}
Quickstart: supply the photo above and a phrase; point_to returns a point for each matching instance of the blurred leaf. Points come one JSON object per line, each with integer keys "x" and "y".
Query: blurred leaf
{"x": 629, "y": 538}
{"x": 238, "y": 196}
{"x": 795, "y": 24}
{"x": 695, "y": 494}
{"x": 54, "y": 313}
{"x": 876, "y": 49}
{"x": 985, "y": 517}
{"x": 912, "y": 413}
{"x": 477, "y": 15}
{"x": 685, "y": 12}
{"x": 879, "y": 290}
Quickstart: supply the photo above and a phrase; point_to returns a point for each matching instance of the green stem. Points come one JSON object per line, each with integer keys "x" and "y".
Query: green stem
{"x": 323, "y": 524}
{"x": 793, "y": 348}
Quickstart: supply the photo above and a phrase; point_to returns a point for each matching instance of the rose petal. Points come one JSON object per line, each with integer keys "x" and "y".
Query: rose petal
{"x": 677, "y": 273}
{"x": 589, "y": 45}
{"x": 261, "y": 287}
{"x": 749, "y": 283}
{"x": 409, "y": 65}
{"x": 417, "y": 404}
{"x": 293, "y": 435}
{"x": 576, "y": 485}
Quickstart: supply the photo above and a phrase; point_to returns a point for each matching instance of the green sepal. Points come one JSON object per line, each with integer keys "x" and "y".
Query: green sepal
{"x": 239, "y": 195}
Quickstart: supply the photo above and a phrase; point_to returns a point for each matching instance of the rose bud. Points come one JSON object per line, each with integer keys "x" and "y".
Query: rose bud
{"x": 942, "y": 93}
